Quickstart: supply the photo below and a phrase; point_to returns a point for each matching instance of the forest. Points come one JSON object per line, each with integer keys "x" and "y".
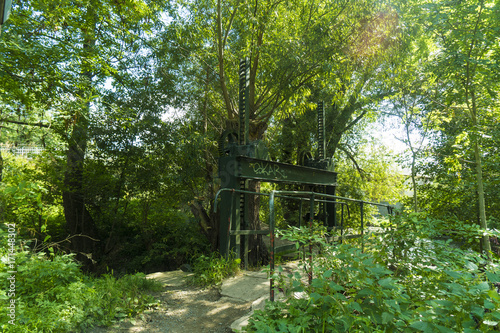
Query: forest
{"x": 111, "y": 114}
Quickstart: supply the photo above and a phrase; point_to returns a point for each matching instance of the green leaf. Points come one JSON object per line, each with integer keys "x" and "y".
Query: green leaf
{"x": 316, "y": 297}
{"x": 478, "y": 311}
{"x": 453, "y": 274}
{"x": 421, "y": 326}
{"x": 393, "y": 304}
{"x": 471, "y": 266}
{"x": 387, "y": 317}
{"x": 327, "y": 274}
{"x": 488, "y": 304}
{"x": 444, "y": 329}
{"x": 444, "y": 303}
{"x": 365, "y": 292}
{"x": 493, "y": 277}
{"x": 355, "y": 307}
{"x": 483, "y": 286}
{"x": 386, "y": 283}
{"x": 335, "y": 286}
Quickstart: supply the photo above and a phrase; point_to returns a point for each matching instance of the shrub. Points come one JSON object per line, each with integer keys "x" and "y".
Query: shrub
{"x": 433, "y": 287}
{"x": 212, "y": 270}
{"x": 53, "y": 295}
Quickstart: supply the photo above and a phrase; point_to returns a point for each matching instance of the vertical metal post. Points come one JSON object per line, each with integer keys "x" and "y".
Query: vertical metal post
{"x": 244, "y": 219}
{"x": 331, "y": 210}
{"x": 230, "y": 214}
{"x": 362, "y": 227}
{"x": 342, "y": 224}
{"x": 271, "y": 232}
{"x": 311, "y": 217}
{"x": 300, "y": 213}
{"x": 244, "y": 113}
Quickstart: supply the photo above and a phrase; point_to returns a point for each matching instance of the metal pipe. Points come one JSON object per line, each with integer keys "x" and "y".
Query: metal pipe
{"x": 300, "y": 213}
{"x": 362, "y": 227}
{"x": 341, "y": 224}
{"x": 330, "y": 196}
{"x": 311, "y": 217}
{"x": 271, "y": 229}
{"x": 289, "y": 197}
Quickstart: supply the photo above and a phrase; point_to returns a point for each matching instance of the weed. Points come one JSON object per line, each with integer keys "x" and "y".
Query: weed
{"x": 212, "y": 270}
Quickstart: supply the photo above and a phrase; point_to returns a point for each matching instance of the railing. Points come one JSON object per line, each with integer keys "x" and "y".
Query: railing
{"x": 24, "y": 151}
{"x": 311, "y": 197}
{"x": 303, "y": 196}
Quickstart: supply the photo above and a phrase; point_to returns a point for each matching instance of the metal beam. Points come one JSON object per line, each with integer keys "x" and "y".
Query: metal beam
{"x": 263, "y": 170}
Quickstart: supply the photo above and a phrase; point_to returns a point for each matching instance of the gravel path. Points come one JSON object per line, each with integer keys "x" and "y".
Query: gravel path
{"x": 186, "y": 309}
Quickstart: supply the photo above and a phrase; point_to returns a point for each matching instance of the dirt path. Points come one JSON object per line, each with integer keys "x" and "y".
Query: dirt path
{"x": 185, "y": 309}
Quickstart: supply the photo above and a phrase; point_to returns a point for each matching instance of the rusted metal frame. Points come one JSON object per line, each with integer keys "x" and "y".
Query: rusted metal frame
{"x": 276, "y": 172}
{"x": 312, "y": 199}
{"x": 308, "y": 193}
{"x": 272, "y": 234}
{"x": 311, "y": 218}
{"x": 238, "y": 233}
{"x": 250, "y": 192}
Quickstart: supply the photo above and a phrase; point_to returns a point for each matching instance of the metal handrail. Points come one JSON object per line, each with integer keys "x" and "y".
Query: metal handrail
{"x": 302, "y": 196}
{"x": 312, "y": 196}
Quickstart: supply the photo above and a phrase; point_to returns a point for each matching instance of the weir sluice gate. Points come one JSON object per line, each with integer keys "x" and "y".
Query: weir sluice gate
{"x": 242, "y": 160}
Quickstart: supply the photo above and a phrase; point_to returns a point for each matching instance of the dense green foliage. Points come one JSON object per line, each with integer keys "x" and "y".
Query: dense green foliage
{"x": 129, "y": 99}
{"x": 449, "y": 97}
{"x": 53, "y": 295}
{"x": 141, "y": 231}
{"x": 405, "y": 281}
{"x": 212, "y": 270}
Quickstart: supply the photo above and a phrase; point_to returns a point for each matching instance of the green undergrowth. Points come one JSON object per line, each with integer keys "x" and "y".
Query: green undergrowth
{"x": 212, "y": 270}
{"x": 52, "y": 295}
{"x": 401, "y": 282}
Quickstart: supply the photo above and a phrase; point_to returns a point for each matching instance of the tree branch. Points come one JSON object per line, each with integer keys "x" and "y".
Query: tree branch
{"x": 351, "y": 157}
{"x": 39, "y": 124}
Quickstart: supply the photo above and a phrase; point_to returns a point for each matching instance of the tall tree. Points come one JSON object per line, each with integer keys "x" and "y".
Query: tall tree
{"x": 466, "y": 35}
{"x": 295, "y": 48}
{"x": 56, "y": 58}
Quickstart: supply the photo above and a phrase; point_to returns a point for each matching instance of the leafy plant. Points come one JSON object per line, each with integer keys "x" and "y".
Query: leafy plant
{"x": 212, "y": 270}
{"x": 53, "y": 295}
{"x": 428, "y": 286}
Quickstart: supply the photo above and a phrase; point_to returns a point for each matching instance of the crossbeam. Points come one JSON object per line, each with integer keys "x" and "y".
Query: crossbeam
{"x": 270, "y": 171}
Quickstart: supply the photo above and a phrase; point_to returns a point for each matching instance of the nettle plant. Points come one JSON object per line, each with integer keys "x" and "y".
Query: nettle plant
{"x": 53, "y": 295}
{"x": 427, "y": 286}
{"x": 212, "y": 270}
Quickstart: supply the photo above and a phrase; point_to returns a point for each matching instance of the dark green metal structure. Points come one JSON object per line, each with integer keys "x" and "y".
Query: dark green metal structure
{"x": 242, "y": 160}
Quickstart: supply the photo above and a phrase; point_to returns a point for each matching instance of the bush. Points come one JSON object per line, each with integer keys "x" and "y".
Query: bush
{"x": 434, "y": 287}
{"x": 53, "y": 295}
{"x": 212, "y": 270}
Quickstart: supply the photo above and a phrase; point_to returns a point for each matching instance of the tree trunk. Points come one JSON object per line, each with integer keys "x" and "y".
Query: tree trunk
{"x": 208, "y": 222}
{"x": 79, "y": 222}
{"x": 414, "y": 183}
{"x": 480, "y": 192}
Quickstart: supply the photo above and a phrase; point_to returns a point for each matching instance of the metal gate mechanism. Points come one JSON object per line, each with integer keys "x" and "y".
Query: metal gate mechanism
{"x": 242, "y": 160}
